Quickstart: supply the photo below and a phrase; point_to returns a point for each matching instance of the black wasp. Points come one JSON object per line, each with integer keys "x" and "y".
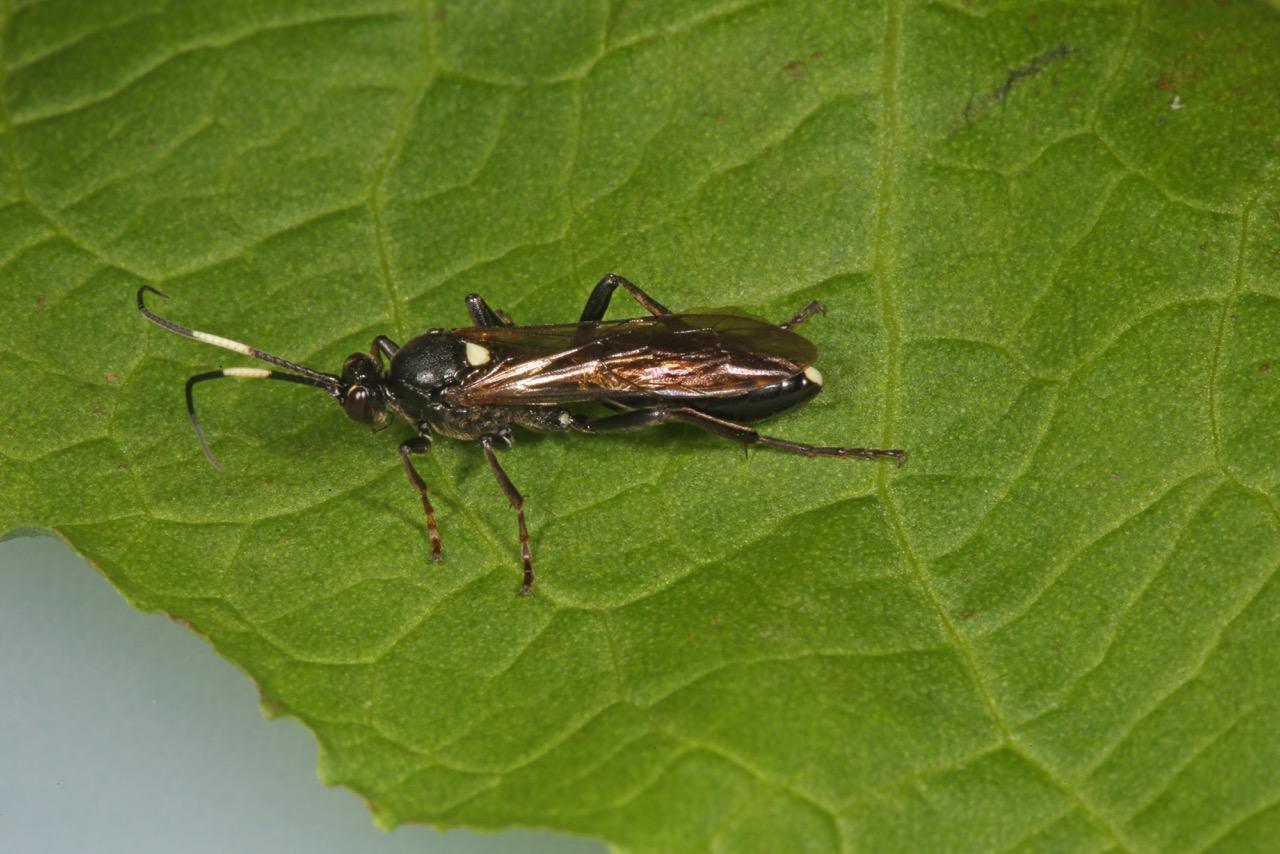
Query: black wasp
{"x": 716, "y": 370}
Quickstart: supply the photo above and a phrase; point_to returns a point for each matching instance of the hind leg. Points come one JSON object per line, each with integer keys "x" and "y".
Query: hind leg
{"x": 804, "y": 314}
{"x": 653, "y": 416}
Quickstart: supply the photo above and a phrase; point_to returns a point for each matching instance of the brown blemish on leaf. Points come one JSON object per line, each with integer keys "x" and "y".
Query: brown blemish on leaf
{"x": 110, "y": 376}
{"x": 795, "y": 68}
{"x": 271, "y": 706}
{"x": 1263, "y": 367}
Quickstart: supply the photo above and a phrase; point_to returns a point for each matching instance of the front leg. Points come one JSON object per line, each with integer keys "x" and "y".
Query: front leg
{"x": 383, "y": 346}
{"x": 420, "y": 445}
{"x": 517, "y": 502}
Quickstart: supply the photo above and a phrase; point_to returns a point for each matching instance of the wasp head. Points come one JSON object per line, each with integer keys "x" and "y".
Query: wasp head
{"x": 363, "y": 396}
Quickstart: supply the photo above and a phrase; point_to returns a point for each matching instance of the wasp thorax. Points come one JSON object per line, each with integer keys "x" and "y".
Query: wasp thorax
{"x": 430, "y": 363}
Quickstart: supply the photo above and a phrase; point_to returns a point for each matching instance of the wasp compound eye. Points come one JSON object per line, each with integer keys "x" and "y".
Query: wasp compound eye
{"x": 356, "y": 403}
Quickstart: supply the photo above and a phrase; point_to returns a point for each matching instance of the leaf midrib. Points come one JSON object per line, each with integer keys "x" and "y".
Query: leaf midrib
{"x": 884, "y": 275}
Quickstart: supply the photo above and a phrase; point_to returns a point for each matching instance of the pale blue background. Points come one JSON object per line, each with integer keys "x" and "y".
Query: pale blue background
{"x": 124, "y": 732}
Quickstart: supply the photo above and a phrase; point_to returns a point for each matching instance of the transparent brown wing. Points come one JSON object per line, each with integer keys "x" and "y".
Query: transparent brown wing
{"x": 667, "y": 357}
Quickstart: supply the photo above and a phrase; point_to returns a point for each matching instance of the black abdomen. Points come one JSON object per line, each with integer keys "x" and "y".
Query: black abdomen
{"x": 763, "y": 402}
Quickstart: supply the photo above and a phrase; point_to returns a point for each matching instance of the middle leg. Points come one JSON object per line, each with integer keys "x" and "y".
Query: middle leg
{"x": 483, "y": 315}
{"x": 598, "y": 302}
{"x": 517, "y": 502}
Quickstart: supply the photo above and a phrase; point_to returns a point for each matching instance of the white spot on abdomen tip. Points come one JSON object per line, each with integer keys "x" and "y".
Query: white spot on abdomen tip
{"x": 477, "y": 355}
{"x": 219, "y": 341}
{"x": 813, "y": 375}
{"x": 246, "y": 373}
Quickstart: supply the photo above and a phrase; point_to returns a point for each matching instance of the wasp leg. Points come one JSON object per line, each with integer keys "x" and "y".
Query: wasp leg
{"x": 420, "y": 445}
{"x": 804, "y": 314}
{"x": 747, "y": 436}
{"x": 656, "y": 415}
{"x": 517, "y": 502}
{"x": 382, "y": 346}
{"x": 483, "y": 315}
{"x": 634, "y": 419}
{"x": 603, "y": 292}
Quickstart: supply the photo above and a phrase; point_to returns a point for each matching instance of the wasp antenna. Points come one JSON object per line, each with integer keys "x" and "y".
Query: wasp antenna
{"x": 236, "y": 374}
{"x": 327, "y": 381}
{"x": 195, "y": 422}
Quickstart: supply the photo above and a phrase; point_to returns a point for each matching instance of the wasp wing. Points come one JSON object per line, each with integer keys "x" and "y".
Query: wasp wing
{"x": 665, "y": 357}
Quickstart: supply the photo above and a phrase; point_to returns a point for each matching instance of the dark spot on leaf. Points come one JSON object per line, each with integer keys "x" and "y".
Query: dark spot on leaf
{"x": 794, "y": 69}
{"x": 979, "y": 104}
{"x": 110, "y": 376}
{"x": 39, "y": 302}
{"x": 1165, "y": 82}
{"x": 1264, "y": 366}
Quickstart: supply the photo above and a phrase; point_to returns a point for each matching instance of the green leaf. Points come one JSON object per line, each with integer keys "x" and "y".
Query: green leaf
{"x": 1049, "y": 240}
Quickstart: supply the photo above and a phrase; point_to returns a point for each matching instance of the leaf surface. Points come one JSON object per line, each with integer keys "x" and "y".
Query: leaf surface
{"x": 1048, "y": 237}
